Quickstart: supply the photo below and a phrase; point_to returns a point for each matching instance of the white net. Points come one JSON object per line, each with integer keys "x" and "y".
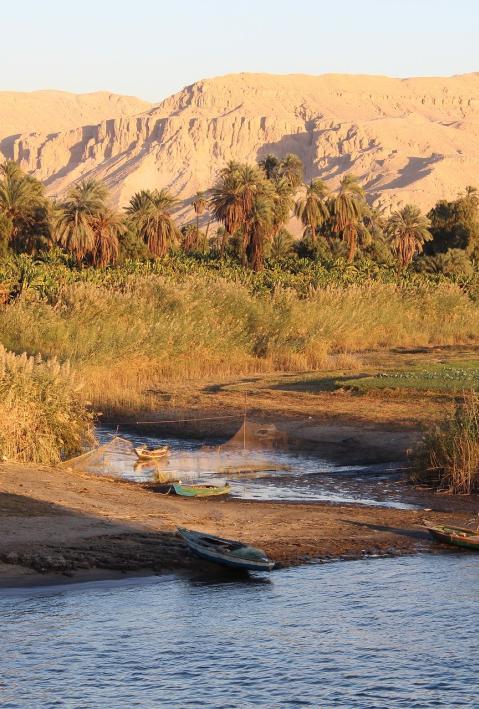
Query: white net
{"x": 250, "y": 452}
{"x": 253, "y": 436}
{"x": 117, "y": 458}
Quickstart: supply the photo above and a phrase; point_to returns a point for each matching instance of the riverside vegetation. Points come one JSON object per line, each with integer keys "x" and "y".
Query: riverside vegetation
{"x": 130, "y": 299}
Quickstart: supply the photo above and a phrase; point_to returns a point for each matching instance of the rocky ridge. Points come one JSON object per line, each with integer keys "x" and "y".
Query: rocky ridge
{"x": 407, "y": 139}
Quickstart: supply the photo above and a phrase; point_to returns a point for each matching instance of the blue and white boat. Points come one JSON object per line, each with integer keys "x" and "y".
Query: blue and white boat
{"x": 226, "y": 552}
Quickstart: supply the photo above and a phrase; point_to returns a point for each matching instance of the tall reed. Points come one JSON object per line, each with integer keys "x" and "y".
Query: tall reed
{"x": 42, "y": 414}
{"x": 448, "y": 458}
{"x": 128, "y": 332}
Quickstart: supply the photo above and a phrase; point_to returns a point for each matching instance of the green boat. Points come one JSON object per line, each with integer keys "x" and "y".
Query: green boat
{"x": 201, "y": 490}
{"x": 455, "y": 536}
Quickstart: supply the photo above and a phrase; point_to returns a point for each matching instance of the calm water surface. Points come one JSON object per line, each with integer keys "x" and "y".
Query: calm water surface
{"x": 378, "y": 633}
{"x": 307, "y": 478}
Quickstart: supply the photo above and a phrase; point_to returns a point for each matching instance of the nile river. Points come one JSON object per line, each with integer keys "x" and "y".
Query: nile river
{"x": 386, "y": 633}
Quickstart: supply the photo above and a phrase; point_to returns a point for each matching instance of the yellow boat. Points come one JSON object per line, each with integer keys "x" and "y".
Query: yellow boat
{"x": 153, "y": 454}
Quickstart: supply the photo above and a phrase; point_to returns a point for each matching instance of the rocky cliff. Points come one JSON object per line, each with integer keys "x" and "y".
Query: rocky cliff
{"x": 407, "y": 139}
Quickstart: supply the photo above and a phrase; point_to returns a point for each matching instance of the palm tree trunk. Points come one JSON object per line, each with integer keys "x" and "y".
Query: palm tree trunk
{"x": 244, "y": 247}
{"x": 352, "y": 249}
{"x": 256, "y": 254}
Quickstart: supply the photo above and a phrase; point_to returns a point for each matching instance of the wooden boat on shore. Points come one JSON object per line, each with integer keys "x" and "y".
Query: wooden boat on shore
{"x": 201, "y": 490}
{"x": 226, "y": 552}
{"x": 145, "y": 454}
{"x": 455, "y": 536}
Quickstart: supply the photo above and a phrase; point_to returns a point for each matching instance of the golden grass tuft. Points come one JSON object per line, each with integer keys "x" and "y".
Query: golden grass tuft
{"x": 448, "y": 458}
{"x": 42, "y": 415}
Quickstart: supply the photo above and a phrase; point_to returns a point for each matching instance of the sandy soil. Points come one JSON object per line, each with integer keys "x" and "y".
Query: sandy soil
{"x": 65, "y": 525}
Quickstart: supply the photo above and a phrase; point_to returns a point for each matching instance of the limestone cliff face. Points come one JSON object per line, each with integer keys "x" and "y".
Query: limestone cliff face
{"x": 408, "y": 140}
{"x": 50, "y": 111}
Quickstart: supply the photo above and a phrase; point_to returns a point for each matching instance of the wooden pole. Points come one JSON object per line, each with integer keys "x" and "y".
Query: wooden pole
{"x": 244, "y": 422}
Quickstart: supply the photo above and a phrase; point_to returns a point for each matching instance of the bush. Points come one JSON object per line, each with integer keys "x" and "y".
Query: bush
{"x": 42, "y": 415}
{"x": 448, "y": 458}
{"x": 128, "y": 329}
{"x": 453, "y": 263}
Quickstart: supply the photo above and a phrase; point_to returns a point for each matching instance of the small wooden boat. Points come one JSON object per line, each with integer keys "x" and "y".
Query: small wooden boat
{"x": 144, "y": 453}
{"x": 456, "y": 536}
{"x": 226, "y": 552}
{"x": 201, "y": 490}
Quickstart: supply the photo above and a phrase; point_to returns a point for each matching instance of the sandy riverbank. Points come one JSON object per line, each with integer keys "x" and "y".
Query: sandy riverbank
{"x": 59, "y": 525}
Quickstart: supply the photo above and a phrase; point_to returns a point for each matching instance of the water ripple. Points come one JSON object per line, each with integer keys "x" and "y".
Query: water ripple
{"x": 379, "y": 633}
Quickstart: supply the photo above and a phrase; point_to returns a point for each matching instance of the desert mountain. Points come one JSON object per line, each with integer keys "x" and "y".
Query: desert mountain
{"x": 55, "y": 111}
{"x": 407, "y": 139}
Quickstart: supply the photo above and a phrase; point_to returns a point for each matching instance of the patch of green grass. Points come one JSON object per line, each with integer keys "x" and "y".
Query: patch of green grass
{"x": 450, "y": 377}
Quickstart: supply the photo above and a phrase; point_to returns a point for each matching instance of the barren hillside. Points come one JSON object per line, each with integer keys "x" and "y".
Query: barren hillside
{"x": 408, "y": 139}
{"x": 53, "y": 111}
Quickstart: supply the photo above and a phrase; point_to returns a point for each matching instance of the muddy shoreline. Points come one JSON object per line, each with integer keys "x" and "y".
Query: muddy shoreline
{"x": 64, "y": 526}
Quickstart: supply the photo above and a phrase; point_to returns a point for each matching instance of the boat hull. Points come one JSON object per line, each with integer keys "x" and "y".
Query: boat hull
{"x": 146, "y": 455}
{"x": 455, "y": 536}
{"x": 201, "y": 490}
{"x": 217, "y": 556}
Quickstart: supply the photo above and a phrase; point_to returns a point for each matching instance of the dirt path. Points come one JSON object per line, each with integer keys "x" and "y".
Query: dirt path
{"x": 72, "y": 524}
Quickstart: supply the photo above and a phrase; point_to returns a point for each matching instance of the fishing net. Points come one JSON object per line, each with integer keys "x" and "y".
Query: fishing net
{"x": 254, "y": 436}
{"x": 254, "y": 449}
{"x": 117, "y": 458}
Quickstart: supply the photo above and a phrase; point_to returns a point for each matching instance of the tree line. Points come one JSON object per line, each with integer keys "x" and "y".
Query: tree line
{"x": 251, "y": 206}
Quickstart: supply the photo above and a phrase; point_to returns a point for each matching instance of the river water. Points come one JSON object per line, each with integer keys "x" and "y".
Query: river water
{"x": 386, "y": 633}
{"x": 305, "y": 477}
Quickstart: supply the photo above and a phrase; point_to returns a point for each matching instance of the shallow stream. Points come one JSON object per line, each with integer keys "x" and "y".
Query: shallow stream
{"x": 305, "y": 477}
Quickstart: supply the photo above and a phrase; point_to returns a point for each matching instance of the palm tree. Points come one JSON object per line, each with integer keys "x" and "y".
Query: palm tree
{"x": 219, "y": 240}
{"x": 84, "y": 205}
{"x": 269, "y": 164}
{"x": 190, "y": 237}
{"x": 21, "y": 199}
{"x": 242, "y": 199}
{"x": 291, "y": 168}
{"x": 226, "y": 201}
{"x": 408, "y": 230}
{"x": 283, "y": 203}
{"x": 347, "y": 209}
{"x": 108, "y": 227}
{"x": 251, "y": 182}
{"x": 150, "y": 213}
{"x": 233, "y": 196}
{"x": 312, "y": 208}
{"x": 259, "y": 230}
{"x": 199, "y": 205}
{"x": 257, "y": 197}
{"x": 281, "y": 244}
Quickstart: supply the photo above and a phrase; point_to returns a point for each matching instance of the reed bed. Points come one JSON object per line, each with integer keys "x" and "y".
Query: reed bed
{"x": 42, "y": 413}
{"x": 449, "y": 456}
{"x": 129, "y": 333}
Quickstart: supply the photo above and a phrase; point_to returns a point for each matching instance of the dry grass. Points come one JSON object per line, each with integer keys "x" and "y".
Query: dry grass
{"x": 42, "y": 415}
{"x": 130, "y": 339}
{"x": 449, "y": 455}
